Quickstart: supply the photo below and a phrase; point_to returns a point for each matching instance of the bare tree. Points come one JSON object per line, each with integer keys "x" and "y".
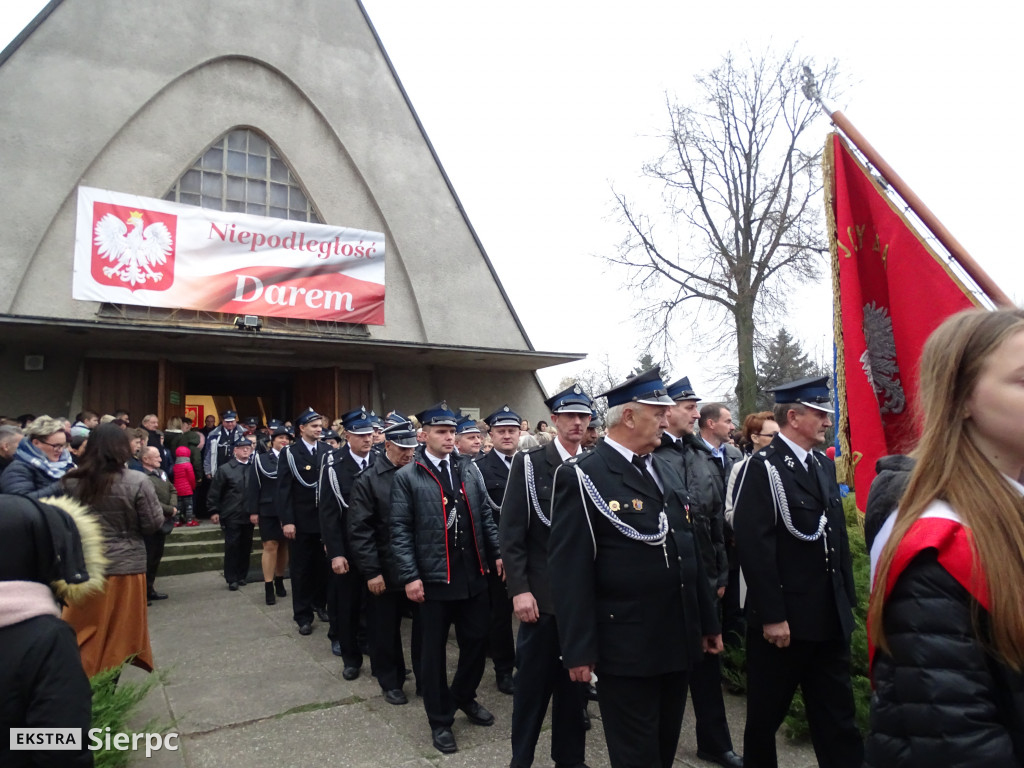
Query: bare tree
{"x": 741, "y": 181}
{"x": 594, "y": 380}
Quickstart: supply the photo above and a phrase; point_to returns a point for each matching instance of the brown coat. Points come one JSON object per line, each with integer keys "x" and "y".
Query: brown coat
{"x": 130, "y": 510}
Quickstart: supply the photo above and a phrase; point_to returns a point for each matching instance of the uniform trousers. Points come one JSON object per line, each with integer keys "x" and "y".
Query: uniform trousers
{"x": 500, "y": 645}
{"x": 822, "y": 670}
{"x": 734, "y": 627}
{"x": 705, "y": 680}
{"x": 154, "y": 554}
{"x": 237, "y": 551}
{"x": 470, "y": 617}
{"x": 642, "y": 717}
{"x": 542, "y": 678}
{"x": 308, "y": 566}
{"x": 384, "y": 627}
{"x": 345, "y": 593}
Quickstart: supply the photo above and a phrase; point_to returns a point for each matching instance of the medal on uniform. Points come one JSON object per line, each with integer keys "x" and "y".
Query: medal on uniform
{"x": 687, "y": 509}
{"x": 444, "y": 500}
{"x": 613, "y": 505}
{"x": 638, "y": 505}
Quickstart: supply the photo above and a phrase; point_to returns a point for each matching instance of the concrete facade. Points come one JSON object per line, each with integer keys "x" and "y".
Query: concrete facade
{"x": 127, "y": 98}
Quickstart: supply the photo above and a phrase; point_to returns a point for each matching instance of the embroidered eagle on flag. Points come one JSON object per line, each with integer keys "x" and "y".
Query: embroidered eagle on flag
{"x": 135, "y": 251}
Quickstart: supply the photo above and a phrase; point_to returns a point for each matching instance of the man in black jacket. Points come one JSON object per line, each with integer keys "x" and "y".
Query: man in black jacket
{"x": 298, "y": 474}
{"x": 494, "y": 467}
{"x": 631, "y": 598}
{"x": 232, "y": 502}
{"x": 703, "y": 475}
{"x": 523, "y": 535}
{"x": 793, "y": 549}
{"x": 369, "y": 527}
{"x": 444, "y": 541}
{"x": 345, "y": 586}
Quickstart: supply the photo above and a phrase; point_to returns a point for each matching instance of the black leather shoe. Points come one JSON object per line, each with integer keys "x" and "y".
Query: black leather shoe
{"x": 350, "y": 673}
{"x": 571, "y": 765}
{"x": 444, "y": 741}
{"x": 322, "y": 615}
{"x": 305, "y": 629}
{"x": 233, "y": 586}
{"x": 336, "y": 647}
{"x": 728, "y": 759}
{"x": 268, "y": 591}
{"x": 242, "y": 582}
{"x": 586, "y": 719}
{"x": 506, "y": 684}
{"x": 477, "y": 714}
{"x": 156, "y": 596}
{"x": 279, "y": 586}
{"x": 395, "y": 696}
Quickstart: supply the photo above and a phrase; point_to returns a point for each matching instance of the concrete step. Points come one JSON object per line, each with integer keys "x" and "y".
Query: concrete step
{"x": 200, "y": 549}
{"x": 205, "y": 531}
{"x": 173, "y": 565}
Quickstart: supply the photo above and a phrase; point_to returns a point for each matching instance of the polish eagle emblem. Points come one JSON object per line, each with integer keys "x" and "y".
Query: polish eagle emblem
{"x": 135, "y": 251}
{"x": 879, "y": 360}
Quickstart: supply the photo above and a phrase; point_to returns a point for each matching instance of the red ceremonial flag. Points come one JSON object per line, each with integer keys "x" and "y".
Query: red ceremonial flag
{"x": 891, "y": 291}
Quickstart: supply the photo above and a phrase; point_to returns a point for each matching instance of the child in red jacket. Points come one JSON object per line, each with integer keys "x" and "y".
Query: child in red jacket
{"x": 185, "y": 485}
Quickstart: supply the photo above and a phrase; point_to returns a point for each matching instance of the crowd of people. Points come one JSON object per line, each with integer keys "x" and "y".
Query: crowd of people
{"x": 630, "y": 552}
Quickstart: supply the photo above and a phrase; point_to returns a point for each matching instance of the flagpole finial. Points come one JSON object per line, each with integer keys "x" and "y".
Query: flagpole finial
{"x": 811, "y": 92}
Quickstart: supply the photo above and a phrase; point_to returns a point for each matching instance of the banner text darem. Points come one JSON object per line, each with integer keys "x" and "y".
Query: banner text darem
{"x": 286, "y": 296}
{"x": 296, "y": 241}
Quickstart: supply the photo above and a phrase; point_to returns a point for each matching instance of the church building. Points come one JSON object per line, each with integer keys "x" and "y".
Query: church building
{"x": 243, "y": 153}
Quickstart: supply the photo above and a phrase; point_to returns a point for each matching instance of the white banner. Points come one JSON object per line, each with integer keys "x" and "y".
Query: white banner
{"x": 139, "y": 250}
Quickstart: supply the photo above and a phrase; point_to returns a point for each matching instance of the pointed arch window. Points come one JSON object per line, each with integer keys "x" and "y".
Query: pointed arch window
{"x": 243, "y": 172}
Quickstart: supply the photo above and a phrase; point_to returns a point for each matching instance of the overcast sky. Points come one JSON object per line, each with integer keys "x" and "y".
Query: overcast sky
{"x": 537, "y": 109}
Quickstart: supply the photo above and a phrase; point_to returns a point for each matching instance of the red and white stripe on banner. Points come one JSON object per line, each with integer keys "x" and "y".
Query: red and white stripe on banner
{"x": 153, "y": 253}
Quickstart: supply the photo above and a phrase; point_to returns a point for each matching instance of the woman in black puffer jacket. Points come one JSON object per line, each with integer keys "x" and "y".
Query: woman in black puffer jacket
{"x": 946, "y": 619}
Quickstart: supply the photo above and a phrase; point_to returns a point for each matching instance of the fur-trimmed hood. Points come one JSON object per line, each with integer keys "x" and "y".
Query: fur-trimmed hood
{"x": 90, "y": 532}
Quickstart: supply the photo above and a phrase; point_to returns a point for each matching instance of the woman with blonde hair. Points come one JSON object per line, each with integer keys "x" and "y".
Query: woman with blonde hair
{"x": 946, "y": 618}
{"x": 40, "y": 461}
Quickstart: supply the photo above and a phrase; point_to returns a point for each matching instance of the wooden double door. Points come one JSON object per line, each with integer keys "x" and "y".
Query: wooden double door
{"x": 161, "y": 387}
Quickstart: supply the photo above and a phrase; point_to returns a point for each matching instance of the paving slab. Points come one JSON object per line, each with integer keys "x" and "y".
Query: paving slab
{"x": 243, "y": 688}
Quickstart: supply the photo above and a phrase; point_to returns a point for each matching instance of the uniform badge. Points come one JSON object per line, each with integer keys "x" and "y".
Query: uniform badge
{"x": 638, "y": 505}
{"x": 613, "y": 505}
{"x": 577, "y": 390}
{"x": 308, "y": 467}
{"x": 444, "y": 500}
{"x": 789, "y": 462}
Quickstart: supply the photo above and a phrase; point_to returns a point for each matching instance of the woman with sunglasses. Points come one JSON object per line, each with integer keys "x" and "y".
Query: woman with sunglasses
{"x": 40, "y": 461}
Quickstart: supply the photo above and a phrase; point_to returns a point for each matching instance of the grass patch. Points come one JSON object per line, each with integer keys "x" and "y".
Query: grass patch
{"x": 113, "y": 704}
{"x": 318, "y": 705}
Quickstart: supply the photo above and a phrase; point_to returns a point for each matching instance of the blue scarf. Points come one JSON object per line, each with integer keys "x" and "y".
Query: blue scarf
{"x": 32, "y": 456}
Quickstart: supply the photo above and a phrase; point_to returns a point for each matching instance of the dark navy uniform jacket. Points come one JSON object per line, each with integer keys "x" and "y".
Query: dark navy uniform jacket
{"x": 495, "y": 470}
{"x": 340, "y": 468}
{"x": 628, "y": 607}
{"x": 522, "y": 534}
{"x": 807, "y": 583}
{"x": 296, "y": 503}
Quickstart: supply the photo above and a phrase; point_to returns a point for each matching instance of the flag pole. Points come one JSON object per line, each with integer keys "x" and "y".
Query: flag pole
{"x": 943, "y": 235}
